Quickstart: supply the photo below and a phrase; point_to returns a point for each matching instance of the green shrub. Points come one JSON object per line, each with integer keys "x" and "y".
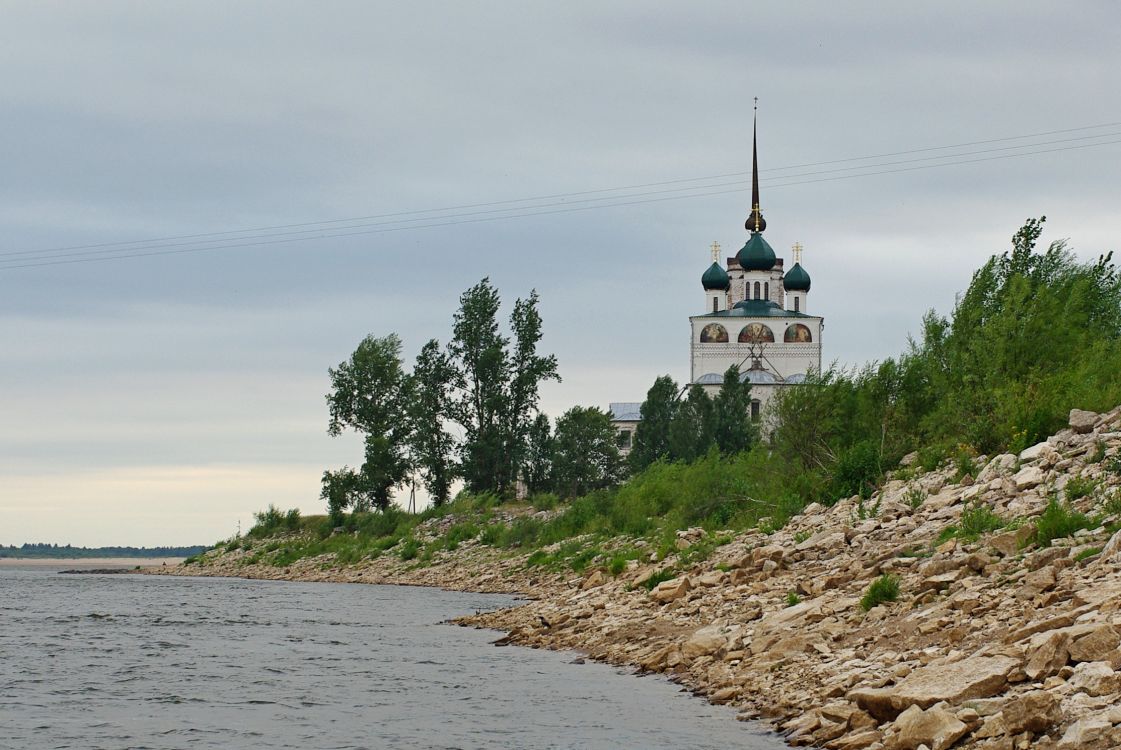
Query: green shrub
{"x": 410, "y": 549}
{"x": 883, "y": 589}
{"x": 792, "y": 598}
{"x": 617, "y": 565}
{"x": 931, "y": 456}
{"x": 1087, "y": 553}
{"x": 268, "y": 522}
{"x": 977, "y": 519}
{"x": 1079, "y": 486}
{"x": 1058, "y": 520}
{"x": 460, "y": 532}
{"x": 544, "y": 501}
{"x": 661, "y": 576}
{"x": 1099, "y": 452}
{"x": 524, "y": 532}
{"x": 1112, "y": 504}
{"x": 963, "y": 463}
{"x": 493, "y": 535}
{"x": 538, "y": 557}
{"x": 858, "y": 471}
{"x": 915, "y": 496}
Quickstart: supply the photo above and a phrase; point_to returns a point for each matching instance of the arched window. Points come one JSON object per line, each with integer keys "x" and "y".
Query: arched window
{"x": 798, "y": 334}
{"x": 714, "y": 333}
{"x": 756, "y": 290}
{"x": 796, "y": 304}
{"x": 715, "y": 302}
{"x": 766, "y": 290}
{"x": 756, "y": 333}
{"x": 754, "y": 411}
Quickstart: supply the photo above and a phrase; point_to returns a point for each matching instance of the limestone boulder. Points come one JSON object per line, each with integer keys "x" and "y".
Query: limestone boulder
{"x": 1097, "y": 645}
{"x": 998, "y": 467}
{"x": 705, "y": 642}
{"x": 759, "y": 555}
{"x": 1028, "y": 477}
{"x": 1096, "y": 678}
{"x": 671, "y": 590}
{"x": 973, "y": 677}
{"x": 934, "y": 728}
{"x": 1082, "y": 421}
{"x": 595, "y": 579}
{"x": 824, "y": 540}
{"x": 1009, "y": 543}
{"x": 1035, "y": 712}
{"x": 1111, "y": 549}
{"x": 1047, "y": 654}
{"x": 1085, "y": 733}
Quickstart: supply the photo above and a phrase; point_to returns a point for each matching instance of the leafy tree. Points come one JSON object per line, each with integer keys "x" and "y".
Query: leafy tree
{"x": 498, "y": 387}
{"x": 479, "y": 354}
{"x": 733, "y": 430}
{"x": 432, "y": 446}
{"x": 369, "y": 393}
{"x": 528, "y": 370}
{"x": 539, "y": 456}
{"x": 1035, "y": 334}
{"x": 692, "y": 430}
{"x": 338, "y": 489}
{"x": 586, "y": 456}
{"x": 651, "y": 437}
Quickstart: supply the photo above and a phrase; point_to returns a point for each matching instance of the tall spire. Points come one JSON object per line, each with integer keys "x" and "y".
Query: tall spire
{"x": 755, "y": 221}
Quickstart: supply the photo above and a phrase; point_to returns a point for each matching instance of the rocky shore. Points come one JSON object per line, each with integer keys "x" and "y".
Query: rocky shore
{"x": 1001, "y": 640}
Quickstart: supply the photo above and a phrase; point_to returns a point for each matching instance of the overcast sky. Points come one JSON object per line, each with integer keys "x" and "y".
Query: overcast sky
{"x": 160, "y": 400}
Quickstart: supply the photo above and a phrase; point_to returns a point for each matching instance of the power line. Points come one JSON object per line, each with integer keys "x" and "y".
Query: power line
{"x": 221, "y": 236}
{"x": 316, "y": 232}
{"x": 529, "y": 211}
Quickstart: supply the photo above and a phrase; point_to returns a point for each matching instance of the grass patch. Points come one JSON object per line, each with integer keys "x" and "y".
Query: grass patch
{"x": 1079, "y": 487}
{"x": 409, "y": 550}
{"x": 792, "y": 598}
{"x": 915, "y": 496}
{"x": 1059, "y": 520}
{"x": 661, "y": 576}
{"x": 1087, "y": 553}
{"x": 976, "y": 520}
{"x": 883, "y": 589}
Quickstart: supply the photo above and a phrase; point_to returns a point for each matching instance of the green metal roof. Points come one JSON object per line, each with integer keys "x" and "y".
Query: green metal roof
{"x": 756, "y": 254}
{"x": 715, "y": 278}
{"x": 755, "y": 308}
{"x": 796, "y": 279}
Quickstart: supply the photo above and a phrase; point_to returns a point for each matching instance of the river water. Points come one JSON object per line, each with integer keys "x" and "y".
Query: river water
{"x": 121, "y": 661}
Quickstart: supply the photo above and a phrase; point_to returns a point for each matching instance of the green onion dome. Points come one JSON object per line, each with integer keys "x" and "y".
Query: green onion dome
{"x": 796, "y": 279}
{"x": 756, "y": 254}
{"x": 715, "y": 278}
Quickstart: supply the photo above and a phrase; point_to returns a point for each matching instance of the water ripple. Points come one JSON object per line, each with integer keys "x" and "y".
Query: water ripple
{"x": 167, "y": 663}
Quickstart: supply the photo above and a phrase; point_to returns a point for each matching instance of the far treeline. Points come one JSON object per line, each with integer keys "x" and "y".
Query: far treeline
{"x": 66, "y": 552}
{"x": 1036, "y": 334}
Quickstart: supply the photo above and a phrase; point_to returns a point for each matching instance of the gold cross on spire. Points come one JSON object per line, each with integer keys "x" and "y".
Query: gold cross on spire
{"x": 715, "y": 252}
{"x": 797, "y": 248}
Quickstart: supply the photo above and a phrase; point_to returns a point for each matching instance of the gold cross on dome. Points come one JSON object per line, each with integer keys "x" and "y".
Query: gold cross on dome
{"x": 715, "y": 252}
{"x": 797, "y": 248}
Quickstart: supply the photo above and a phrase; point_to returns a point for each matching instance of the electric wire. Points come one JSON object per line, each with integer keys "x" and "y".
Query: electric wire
{"x": 135, "y": 249}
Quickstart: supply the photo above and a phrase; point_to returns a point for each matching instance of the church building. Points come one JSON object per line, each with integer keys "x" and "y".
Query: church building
{"x": 756, "y": 317}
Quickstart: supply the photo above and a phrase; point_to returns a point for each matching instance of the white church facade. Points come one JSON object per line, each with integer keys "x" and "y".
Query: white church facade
{"x": 756, "y": 316}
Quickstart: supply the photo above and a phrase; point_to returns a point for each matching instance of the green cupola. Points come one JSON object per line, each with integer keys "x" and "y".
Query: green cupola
{"x": 715, "y": 278}
{"x": 756, "y": 254}
{"x": 796, "y": 279}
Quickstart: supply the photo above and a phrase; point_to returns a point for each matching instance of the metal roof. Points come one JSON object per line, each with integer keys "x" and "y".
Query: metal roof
{"x": 626, "y": 411}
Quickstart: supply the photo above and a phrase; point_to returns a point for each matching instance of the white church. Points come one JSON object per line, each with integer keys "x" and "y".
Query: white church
{"x": 756, "y": 316}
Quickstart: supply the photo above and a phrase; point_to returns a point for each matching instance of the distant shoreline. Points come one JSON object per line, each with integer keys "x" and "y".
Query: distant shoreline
{"x": 89, "y": 562}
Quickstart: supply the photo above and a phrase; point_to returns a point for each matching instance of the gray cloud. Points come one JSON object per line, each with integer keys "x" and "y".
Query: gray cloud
{"x": 123, "y": 121}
